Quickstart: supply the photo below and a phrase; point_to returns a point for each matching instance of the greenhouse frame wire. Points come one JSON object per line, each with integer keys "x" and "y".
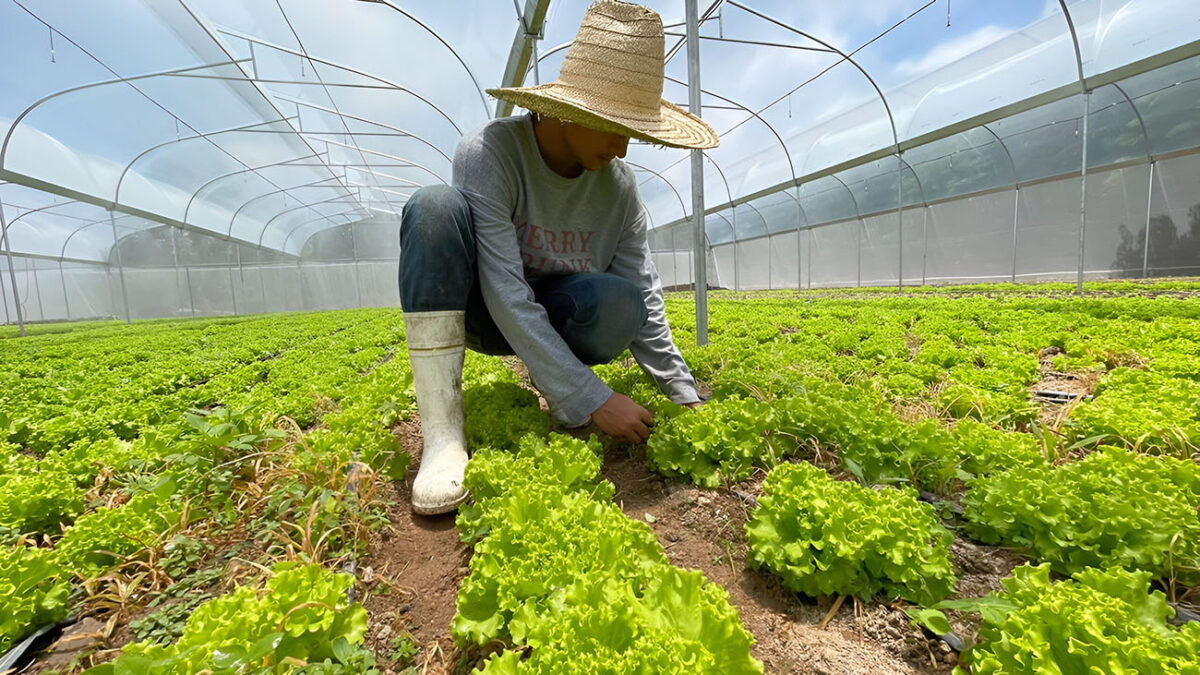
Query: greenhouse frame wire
{"x": 364, "y": 197}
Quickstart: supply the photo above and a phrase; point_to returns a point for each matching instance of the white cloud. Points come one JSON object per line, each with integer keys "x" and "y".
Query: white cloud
{"x": 949, "y": 52}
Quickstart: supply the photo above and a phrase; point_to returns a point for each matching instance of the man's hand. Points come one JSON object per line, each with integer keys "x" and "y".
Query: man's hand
{"x": 622, "y": 418}
{"x": 694, "y": 404}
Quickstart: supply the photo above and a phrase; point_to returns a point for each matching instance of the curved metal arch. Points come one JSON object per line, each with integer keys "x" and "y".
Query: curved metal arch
{"x": 187, "y": 209}
{"x": 671, "y": 185}
{"x": 103, "y": 83}
{"x": 900, "y": 177}
{"x": 786, "y": 153}
{"x": 728, "y": 194}
{"x": 1141, "y": 123}
{"x": 1083, "y": 164}
{"x": 732, "y": 229}
{"x": 267, "y": 225}
{"x": 334, "y": 64}
{"x": 105, "y": 222}
{"x": 204, "y": 135}
{"x": 369, "y": 151}
{"x": 410, "y": 17}
{"x": 332, "y": 226}
{"x": 853, "y": 200}
{"x": 283, "y": 191}
{"x": 324, "y": 229}
{"x": 127, "y": 81}
{"x": 1075, "y": 43}
{"x": 294, "y": 230}
{"x": 266, "y": 98}
{"x": 324, "y": 87}
{"x": 845, "y": 56}
{"x": 1004, "y": 146}
{"x": 404, "y": 132}
{"x": 766, "y": 231}
{"x": 63, "y": 251}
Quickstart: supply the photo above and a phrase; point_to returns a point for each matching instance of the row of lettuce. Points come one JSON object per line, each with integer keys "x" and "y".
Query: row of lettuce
{"x": 1111, "y": 524}
{"x": 559, "y": 576}
{"x": 124, "y": 450}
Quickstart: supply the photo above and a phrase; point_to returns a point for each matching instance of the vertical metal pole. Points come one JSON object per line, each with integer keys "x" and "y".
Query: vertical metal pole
{"x": 12, "y": 273}
{"x": 62, "y": 275}
{"x": 1146, "y": 243}
{"x": 1016, "y": 215}
{"x": 737, "y": 279}
{"x": 693, "y": 65}
{"x": 4, "y": 298}
{"x": 112, "y": 220}
{"x": 858, "y": 232}
{"x": 37, "y": 287}
{"x": 262, "y": 284}
{"x": 924, "y": 245}
{"x": 187, "y": 273}
{"x": 811, "y": 244}
{"x": 232, "y": 286}
{"x": 799, "y": 246}
{"x": 354, "y": 250}
{"x": 900, "y": 214}
{"x": 1087, "y": 98}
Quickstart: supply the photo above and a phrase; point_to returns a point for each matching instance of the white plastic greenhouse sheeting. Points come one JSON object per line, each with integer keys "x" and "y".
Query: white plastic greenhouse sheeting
{"x": 255, "y": 155}
{"x": 972, "y": 238}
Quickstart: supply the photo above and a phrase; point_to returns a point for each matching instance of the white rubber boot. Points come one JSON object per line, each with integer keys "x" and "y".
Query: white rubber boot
{"x": 435, "y": 351}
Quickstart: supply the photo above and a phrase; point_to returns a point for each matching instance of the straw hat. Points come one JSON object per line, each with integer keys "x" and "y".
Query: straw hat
{"x": 612, "y": 80}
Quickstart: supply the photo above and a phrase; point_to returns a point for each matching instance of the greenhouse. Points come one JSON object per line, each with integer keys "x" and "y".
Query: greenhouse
{"x": 928, "y": 401}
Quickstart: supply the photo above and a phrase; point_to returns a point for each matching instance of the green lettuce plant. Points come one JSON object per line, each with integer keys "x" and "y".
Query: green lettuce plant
{"x": 825, "y": 537}
{"x": 673, "y": 623}
{"x": 302, "y": 621}
{"x": 721, "y": 442}
{"x": 33, "y": 592}
{"x": 561, "y": 574}
{"x": 1112, "y": 508}
{"x": 101, "y": 539}
{"x": 1104, "y": 621}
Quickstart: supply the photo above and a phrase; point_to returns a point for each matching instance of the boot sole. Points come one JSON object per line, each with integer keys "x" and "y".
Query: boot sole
{"x": 438, "y": 509}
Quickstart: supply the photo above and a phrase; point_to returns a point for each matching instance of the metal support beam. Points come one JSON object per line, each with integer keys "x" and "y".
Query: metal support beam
{"x": 701, "y": 257}
{"x": 900, "y": 215}
{"x": 112, "y": 220}
{"x": 1016, "y": 217}
{"x": 12, "y": 273}
{"x": 1083, "y": 165}
{"x": 523, "y": 50}
{"x": 62, "y": 276}
{"x": 1146, "y": 243}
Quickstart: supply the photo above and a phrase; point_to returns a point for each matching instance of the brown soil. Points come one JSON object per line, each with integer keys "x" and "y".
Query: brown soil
{"x": 702, "y": 530}
{"x": 415, "y": 566}
{"x": 411, "y": 574}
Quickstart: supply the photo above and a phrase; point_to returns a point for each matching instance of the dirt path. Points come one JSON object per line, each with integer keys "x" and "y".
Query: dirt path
{"x": 412, "y": 573}
{"x": 415, "y": 565}
{"x": 702, "y": 529}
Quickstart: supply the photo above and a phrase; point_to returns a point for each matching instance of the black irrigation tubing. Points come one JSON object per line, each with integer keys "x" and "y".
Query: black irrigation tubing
{"x": 21, "y": 655}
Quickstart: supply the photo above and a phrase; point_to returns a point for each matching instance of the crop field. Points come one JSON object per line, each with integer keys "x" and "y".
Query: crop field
{"x": 995, "y": 479}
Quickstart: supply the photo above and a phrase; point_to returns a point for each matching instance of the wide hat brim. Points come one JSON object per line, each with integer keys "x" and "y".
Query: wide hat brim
{"x": 674, "y": 127}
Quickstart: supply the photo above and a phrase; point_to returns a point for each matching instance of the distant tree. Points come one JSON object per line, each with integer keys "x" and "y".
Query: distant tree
{"x": 1171, "y": 253}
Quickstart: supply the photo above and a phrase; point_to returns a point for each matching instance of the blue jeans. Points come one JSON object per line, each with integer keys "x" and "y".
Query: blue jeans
{"x": 598, "y": 315}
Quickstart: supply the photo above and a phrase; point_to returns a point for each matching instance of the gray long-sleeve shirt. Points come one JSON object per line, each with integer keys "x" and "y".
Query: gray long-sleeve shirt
{"x": 532, "y": 223}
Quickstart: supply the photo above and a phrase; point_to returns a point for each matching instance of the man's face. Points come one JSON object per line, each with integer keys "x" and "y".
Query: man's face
{"x": 594, "y": 149}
